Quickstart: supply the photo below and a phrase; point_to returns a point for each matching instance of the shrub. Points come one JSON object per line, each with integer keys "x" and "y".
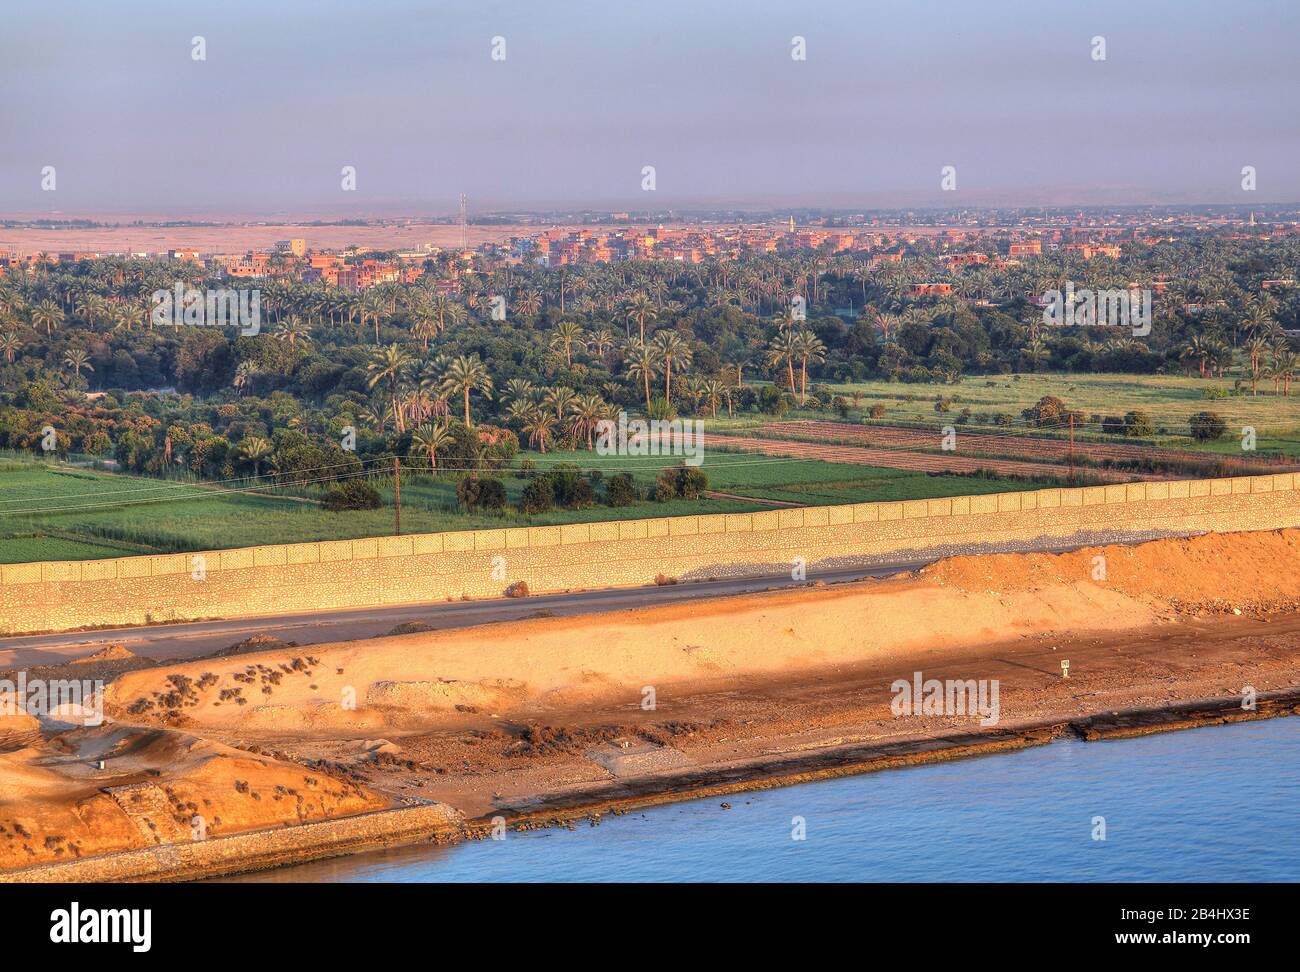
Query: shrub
{"x": 538, "y": 495}
{"x": 620, "y": 490}
{"x": 1138, "y": 423}
{"x": 485, "y": 494}
{"x": 351, "y": 495}
{"x": 1207, "y": 426}
{"x": 876, "y": 411}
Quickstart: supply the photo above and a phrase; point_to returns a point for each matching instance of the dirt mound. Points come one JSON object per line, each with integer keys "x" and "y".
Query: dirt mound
{"x": 110, "y": 653}
{"x": 408, "y": 627}
{"x": 1216, "y": 571}
{"x": 524, "y": 670}
{"x": 56, "y": 803}
{"x": 252, "y": 644}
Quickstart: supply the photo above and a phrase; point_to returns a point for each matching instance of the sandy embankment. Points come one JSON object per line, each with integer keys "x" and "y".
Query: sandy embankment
{"x": 525, "y": 669}
{"x": 525, "y": 719}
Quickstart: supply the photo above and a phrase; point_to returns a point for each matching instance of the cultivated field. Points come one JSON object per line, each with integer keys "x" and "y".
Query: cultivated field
{"x": 1170, "y": 401}
{"x": 50, "y": 512}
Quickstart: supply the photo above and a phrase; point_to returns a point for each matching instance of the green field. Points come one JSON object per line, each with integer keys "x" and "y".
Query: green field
{"x": 1169, "y": 400}
{"x": 50, "y": 512}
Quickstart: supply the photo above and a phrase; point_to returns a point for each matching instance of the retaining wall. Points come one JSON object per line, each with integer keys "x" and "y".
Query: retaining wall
{"x": 251, "y": 851}
{"x": 482, "y": 563}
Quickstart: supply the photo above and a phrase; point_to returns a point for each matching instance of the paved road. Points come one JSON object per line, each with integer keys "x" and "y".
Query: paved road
{"x": 194, "y": 639}
{"x": 203, "y": 637}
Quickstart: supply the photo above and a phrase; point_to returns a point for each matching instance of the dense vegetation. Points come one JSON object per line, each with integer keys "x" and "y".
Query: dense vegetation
{"x": 337, "y": 382}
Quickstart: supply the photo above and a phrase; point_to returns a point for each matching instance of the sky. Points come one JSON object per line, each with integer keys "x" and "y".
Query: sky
{"x": 592, "y": 91}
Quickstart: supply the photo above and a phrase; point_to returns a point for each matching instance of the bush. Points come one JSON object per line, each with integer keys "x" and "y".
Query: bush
{"x": 876, "y": 411}
{"x": 485, "y": 494}
{"x": 1138, "y": 423}
{"x": 686, "y": 482}
{"x": 351, "y": 495}
{"x": 1113, "y": 425}
{"x": 1207, "y": 426}
{"x": 620, "y": 490}
{"x": 538, "y": 495}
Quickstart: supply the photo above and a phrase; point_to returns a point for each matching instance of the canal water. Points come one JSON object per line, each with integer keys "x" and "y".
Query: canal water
{"x": 1213, "y": 804}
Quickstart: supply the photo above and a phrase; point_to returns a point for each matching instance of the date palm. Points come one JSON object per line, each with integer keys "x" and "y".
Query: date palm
{"x": 466, "y": 374}
{"x": 47, "y": 314}
{"x": 642, "y": 363}
{"x": 566, "y": 333}
{"x": 639, "y": 308}
{"x": 670, "y": 347}
{"x": 78, "y": 361}
{"x": 254, "y": 450}
{"x": 389, "y": 365}
{"x": 587, "y": 411}
{"x": 10, "y": 345}
{"x": 538, "y": 424}
{"x": 558, "y": 400}
{"x": 781, "y": 350}
{"x": 429, "y": 439}
{"x": 293, "y": 329}
{"x": 808, "y": 347}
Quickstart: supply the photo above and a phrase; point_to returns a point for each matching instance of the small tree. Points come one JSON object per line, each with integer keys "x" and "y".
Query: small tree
{"x": 620, "y": 490}
{"x": 1208, "y": 426}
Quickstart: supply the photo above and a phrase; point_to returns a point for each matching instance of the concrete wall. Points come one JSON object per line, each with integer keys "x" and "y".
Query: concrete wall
{"x": 250, "y": 851}
{"x": 429, "y": 567}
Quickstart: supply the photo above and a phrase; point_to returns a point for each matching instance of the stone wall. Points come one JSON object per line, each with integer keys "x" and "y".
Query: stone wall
{"x": 251, "y": 851}
{"x": 482, "y": 563}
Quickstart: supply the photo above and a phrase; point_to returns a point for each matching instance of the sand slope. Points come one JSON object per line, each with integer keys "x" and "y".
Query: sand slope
{"x": 525, "y": 668}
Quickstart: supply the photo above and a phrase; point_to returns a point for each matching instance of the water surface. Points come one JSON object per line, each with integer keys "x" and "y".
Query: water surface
{"x": 1212, "y": 804}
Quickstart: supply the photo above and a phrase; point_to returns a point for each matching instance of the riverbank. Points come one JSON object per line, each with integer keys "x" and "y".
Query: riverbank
{"x": 541, "y": 722}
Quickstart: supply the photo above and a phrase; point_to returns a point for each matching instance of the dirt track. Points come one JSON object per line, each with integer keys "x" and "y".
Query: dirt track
{"x": 1017, "y": 446}
{"x": 938, "y": 462}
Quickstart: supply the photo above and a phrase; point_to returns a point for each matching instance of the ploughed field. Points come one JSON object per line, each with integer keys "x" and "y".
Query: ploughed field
{"x": 1011, "y": 446}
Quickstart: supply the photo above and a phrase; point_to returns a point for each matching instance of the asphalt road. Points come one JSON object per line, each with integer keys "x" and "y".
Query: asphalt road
{"x": 198, "y": 638}
{"x": 194, "y": 639}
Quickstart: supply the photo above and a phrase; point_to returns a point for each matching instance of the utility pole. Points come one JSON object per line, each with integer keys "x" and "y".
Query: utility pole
{"x": 1071, "y": 448}
{"x": 397, "y": 496}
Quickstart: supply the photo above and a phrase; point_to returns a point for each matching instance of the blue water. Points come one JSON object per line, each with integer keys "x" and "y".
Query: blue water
{"x": 1211, "y": 804}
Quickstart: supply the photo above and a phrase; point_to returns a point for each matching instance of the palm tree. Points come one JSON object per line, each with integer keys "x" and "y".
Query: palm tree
{"x": 782, "y": 349}
{"x": 566, "y": 333}
{"x": 293, "y": 329}
{"x": 426, "y": 323}
{"x": 669, "y": 346}
{"x": 78, "y": 361}
{"x": 537, "y": 425}
{"x": 643, "y": 363}
{"x": 10, "y": 344}
{"x": 245, "y": 371}
{"x": 559, "y": 399}
{"x": 467, "y": 374}
{"x": 640, "y": 308}
{"x": 587, "y": 412}
{"x": 389, "y": 364}
{"x": 712, "y": 392}
{"x": 807, "y": 346}
{"x": 254, "y": 449}
{"x": 430, "y": 438}
{"x": 372, "y": 306}
{"x": 1199, "y": 349}
{"x": 48, "y": 314}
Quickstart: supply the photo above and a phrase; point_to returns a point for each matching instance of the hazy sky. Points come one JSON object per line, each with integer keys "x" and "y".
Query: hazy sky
{"x": 592, "y": 90}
